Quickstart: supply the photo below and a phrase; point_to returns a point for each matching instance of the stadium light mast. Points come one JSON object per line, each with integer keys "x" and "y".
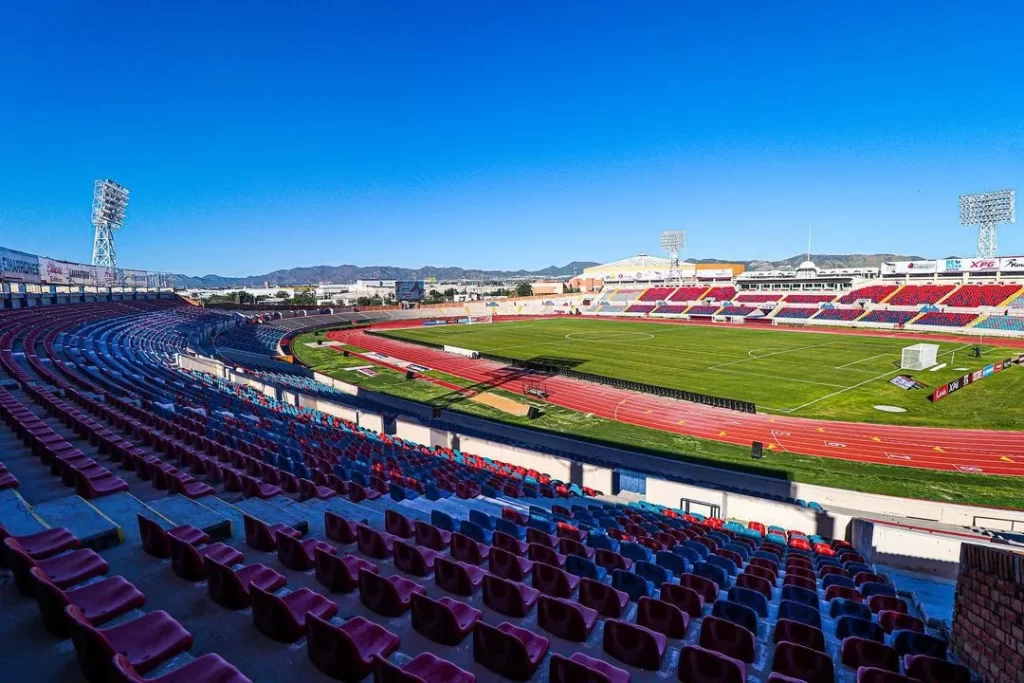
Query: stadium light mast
{"x": 987, "y": 210}
{"x": 109, "y": 204}
{"x": 673, "y": 241}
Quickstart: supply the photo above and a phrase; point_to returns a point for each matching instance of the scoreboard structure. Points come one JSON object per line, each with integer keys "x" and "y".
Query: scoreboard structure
{"x": 411, "y": 290}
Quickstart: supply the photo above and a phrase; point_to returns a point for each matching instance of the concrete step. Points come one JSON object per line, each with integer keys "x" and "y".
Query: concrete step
{"x": 83, "y": 519}
{"x": 270, "y": 513}
{"x": 124, "y": 509}
{"x": 182, "y": 510}
{"x": 17, "y": 516}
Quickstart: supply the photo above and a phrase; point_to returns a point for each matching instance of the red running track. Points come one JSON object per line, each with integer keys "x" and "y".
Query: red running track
{"x": 979, "y": 451}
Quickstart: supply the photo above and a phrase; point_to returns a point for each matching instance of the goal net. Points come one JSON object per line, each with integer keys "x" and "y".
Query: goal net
{"x": 919, "y": 356}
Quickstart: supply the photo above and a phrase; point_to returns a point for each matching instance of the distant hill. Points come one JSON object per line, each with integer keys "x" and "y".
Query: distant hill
{"x": 820, "y": 260}
{"x": 349, "y": 273}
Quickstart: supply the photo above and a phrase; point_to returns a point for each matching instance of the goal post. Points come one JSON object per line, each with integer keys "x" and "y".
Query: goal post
{"x": 919, "y": 356}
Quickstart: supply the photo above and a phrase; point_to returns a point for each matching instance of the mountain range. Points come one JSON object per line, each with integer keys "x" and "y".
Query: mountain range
{"x": 350, "y": 273}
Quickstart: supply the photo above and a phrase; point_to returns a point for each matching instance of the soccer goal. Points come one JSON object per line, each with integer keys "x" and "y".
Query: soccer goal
{"x": 919, "y": 356}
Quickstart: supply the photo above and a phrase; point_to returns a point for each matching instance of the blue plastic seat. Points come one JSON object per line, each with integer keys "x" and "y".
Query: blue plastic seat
{"x": 751, "y": 598}
{"x": 796, "y": 611}
{"x": 431, "y": 492}
{"x": 915, "y": 643}
{"x": 510, "y": 528}
{"x": 836, "y": 580}
{"x": 700, "y": 549}
{"x": 635, "y": 551}
{"x": 801, "y": 595}
{"x": 872, "y": 588}
{"x": 602, "y": 542}
{"x": 724, "y": 562}
{"x": 740, "y": 549}
{"x": 839, "y": 607}
{"x": 847, "y": 626}
{"x": 719, "y": 538}
{"x": 765, "y": 555}
{"x": 712, "y": 572}
{"x": 654, "y": 573}
{"x": 545, "y": 525}
{"x": 442, "y": 521}
{"x": 582, "y": 567}
{"x": 475, "y": 531}
{"x": 777, "y": 539}
{"x": 737, "y": 613}
{"x": 687, "y": 554}
{"x": 633, "y": 585}
{"x": 672, "y": 562}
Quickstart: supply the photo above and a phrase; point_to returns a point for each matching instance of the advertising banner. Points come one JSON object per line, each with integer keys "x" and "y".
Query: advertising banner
{"x": 104, "y": 277}
{"x": 909, "y": 267}
{"x": 134, "y": 278}
{"x": 17, "y": 266}
{"x": 970, "y": 378}
{"x": 64, "y": 272}
{"x": 409, "y": 291}
{"x": 1012, "y": 264}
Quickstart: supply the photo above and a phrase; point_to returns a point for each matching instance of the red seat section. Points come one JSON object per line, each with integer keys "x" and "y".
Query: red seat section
{"x": 508, "y": 650}
{"x": 914, "y": 295}
{"x": 99, "y": 602}
{"x": 972, "y": 296}
{"x": 425, "y": 668}
{"x": 445, "y": 621}
{"x": 283, "y": 617}
{"x": 230, "y": 588}
{"x": 633, "y": 644}
{"x": 347, "y": 652}
{"x": 209, "y": 668}
{"x": 873, "y": 293}
{"x": 583, "y": 669}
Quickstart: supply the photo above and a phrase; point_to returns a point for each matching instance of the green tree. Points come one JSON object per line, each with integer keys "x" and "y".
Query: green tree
{"x": 524, "y": 289}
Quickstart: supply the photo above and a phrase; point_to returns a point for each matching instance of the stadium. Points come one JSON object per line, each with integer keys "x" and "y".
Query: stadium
{"x": 323, "y": 406}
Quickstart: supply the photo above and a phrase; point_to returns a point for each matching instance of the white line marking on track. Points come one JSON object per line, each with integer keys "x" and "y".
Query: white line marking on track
{"x": 862, "y": 360}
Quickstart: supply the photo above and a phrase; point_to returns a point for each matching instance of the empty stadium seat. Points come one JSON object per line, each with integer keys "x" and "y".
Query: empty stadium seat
{"x": 727, "y": 638}
{"x": 803, "y": 663}
{"x": 583, "y": 669}
{"x": 565, "y": 619}
{"x": 509, "y": 597}
{"x": 347, "y": 652}
{"x": 209, "y": 668}
{"x": 701, "y": 665}
{"x": 857, "y": 652}
{"x": 445, "y": 621}
{"x": 62, "y": 571}
{"x": 634, "y": 645}
{"x": 662, "y": 617}
{"x": 929, "y": 669}
{"x": 424, "y": 668}
{"x": 387, "y": 596}
{"x": 508, "y": 650}
{"x": 230, "y": 588}
{"x": 339, "y": 574}
{"x": 457, "y": 577}
{"x": 283, "y": 617}
{"x": 98, "y": 602}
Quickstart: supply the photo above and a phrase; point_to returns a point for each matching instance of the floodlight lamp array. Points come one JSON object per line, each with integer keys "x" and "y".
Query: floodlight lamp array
{"x": 673, "y": 240}
{"x": 988, "y": 208}
{"x": 110, "y": 204}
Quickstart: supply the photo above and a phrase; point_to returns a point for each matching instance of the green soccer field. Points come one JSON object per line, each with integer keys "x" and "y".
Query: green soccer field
{"x": 818, "y": 375}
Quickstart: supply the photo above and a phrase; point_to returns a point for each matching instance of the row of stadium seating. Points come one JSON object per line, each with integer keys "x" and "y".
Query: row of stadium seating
{"x": 844, "y": 314}
{"x": 946, "y": 319}
{"x": 1007, "y": 323}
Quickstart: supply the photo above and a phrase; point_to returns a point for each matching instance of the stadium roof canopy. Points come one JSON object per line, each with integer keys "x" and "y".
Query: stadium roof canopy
{"x": 640, "y": 262}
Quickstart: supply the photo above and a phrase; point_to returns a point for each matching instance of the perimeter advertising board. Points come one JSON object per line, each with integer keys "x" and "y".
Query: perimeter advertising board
{"x": 17, "y": 266}
{"x": 968, "y": 379}
{"x": 65, "y": 273}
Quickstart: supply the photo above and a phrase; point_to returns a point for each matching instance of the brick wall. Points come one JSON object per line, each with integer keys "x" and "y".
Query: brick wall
{"x": 988, "y": 615}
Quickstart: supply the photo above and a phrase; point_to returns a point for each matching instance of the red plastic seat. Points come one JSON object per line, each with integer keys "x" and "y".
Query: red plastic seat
{"x": 145, "y": 642}
{"x": 261, "y": 536}
{"x": 898, "y": 621}
{"x": 346, "y": 652}
{"x": 566, "y": 619}
{"x": 373, "y": 543}
{"x": 761, "y": 585}
{"x": 867, "y": 674}
{"x": 457, "y": 577}
{"x": 508, "y": 650}
{"x": 888, "y": 603}
{"x": 705, "y": 587}
{"x": 307, "y": 490}
{"x": 254, "y": 488}
{"x": 541, "y": 538}
{"x": 187, "y": 560}
{"x": 803, "y": 663}
{"x": 844, "y": 592}
{"x": 389, "y": 597}
{"x": 700, "y": 665}
{"x": 465, "y": 549}
{"x": 429, "y": 536}
{"x": 412, "y": 559}
{"x": 868, "y": 577}
{"x": 633, "y": 644}
{"x": 607, "y": 601}
{"x": 42, "y": 544}
{"x": 339, "y": 529}
{"x": 209, "y": 668}
{"x": 398, "y": 524}
{"x": 155, "y": 538}
{"x": 611, "y": 560}
{"x": 545, "y": 555}
{"x": 230, "y": 588}
{"x": 553, "y": 581}
{"x": 509, "y": 597}
{"x": 688, "y": 600}
{"x": 340, "y": 574}
{"x": 425, "y": 668}
{"x": 800, "y": 581}
{"x": 732, "y": 640}
{"x": 509, "y": 543}
{"x": 761, "y": 570}
{"x": 507, "y": 565}
{"x": 63, "y": 571}
{"x": 283, "y": 617}
{"x": 663, "y": 617}
{"x": 300, "y": 555}
{"x": 858, "y": 652}
{"x": 934, "y": 670}
{"x": 445, "y": 621}
{"x": 569, "y": 546}
{"x": 583, "y": 669}
{"x": 800, "y": 633}
{"x": 99, "y": 602}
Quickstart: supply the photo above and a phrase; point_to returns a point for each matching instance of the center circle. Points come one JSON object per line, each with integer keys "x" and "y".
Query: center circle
{"x": 596, "y": 336}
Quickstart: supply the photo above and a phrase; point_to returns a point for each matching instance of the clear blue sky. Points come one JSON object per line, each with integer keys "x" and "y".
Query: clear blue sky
{"x": 503, "y": 135}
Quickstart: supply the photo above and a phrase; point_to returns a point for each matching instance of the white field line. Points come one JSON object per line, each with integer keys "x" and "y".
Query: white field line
{"x": 777, "y": 376}
{"x": 768, "y": 355}
{"x": 862, "y": 360}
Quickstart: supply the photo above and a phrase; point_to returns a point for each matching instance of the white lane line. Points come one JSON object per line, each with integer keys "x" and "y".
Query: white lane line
{"x": 862, "y": 360}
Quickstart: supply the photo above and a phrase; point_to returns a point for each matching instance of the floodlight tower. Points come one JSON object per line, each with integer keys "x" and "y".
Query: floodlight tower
{"x": 109, "y": 203}
{"x": 673, "y": 241}
{"x": 986, "y": 210}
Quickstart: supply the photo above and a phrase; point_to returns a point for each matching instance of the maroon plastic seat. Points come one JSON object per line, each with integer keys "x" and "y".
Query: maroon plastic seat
{"x": 457, "y": 577}
{"x": 261, "y": 536}
{"x": 803, "y": 663}
{"x": 509, "y": 543}
{"x": 99, "y": 602}
{"x": 398, "y": 524}
{"x": 662, "y": 617}
{"x": 858, "y": 652}
{"x": 545, "y": 555}
{"x": 566, "y": 619}
{"x": 583, "y": 669}
{"x": 230, "y": 587}
{"x": 541, "y": 538}
{"x": 757, "y": 583}
{"x": 429, "y": 536}
{"x": 154, "y": 537}
{"x": 373, "y": 543}
{"x": 209, "y": 668}
{"x": 844, "y": 592}
{"x": 340, "y": 574}
{"x": 425, "y": 668}
{"x": 346, "y": 652}
{"x": 508, "y": 650}
{"x": 700, "y": 665}
{"x": 507, "y": 565}
{"x": 867, "y": 674}
{"x": 414, "y": 560}
{"x": 611, "y": 560}
{"x": 934, "y": 670}
{"x": 307, "y": 490}
{"x": 283, "y": 617}
{"x": 63, "y": 571}
{"x": 254, "y": 488}
{"x": 358, "y": 493}
{"x": 688, "y": 600}
{"x": 389, "y": 597}
{"x": 568, "y": 546}
{"x": 705, "y": 587}
{"x": 800, "y": 582}
{"x": 760, "y": 569}
{"x": 801, "y": 572}
{"x": 465, "y": 549}
{"x": 43, "y": 544}
{"x": 887, "y": 603}
{"x": 187, "y": 560}
{"x": 898, "y": 621}
{"x": 145, "y": 642}
{"x": 96, "y": 486}
{"x": 831, "y": 570}
{"x": 787, "y": 630}
{"x": 634, "y": 645}
{"x": 445, "y": 621}
{"x": 868, "y": 577}
{"x": 509, "y": 597}
{"x": 606, "y": 600}
{"x": 731, "y": 639}
{"x": 553, "y": 581}
{"x": 300, "y": 554}
{"x": 339, "y": 529}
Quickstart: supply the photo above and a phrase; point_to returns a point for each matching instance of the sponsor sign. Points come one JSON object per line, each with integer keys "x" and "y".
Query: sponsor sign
{"x": 909, "y": 267}
{"x": 968, "y": 379}
{"x": 409, "y": 291}
{"x": 134, "y": 278}
{"x": 906, "y": 382}
{"x": 982, "y": 265}
{"x": 1013, "y": 264}
{"x": 17, "y": 266}
{"x": 64, "y": 273}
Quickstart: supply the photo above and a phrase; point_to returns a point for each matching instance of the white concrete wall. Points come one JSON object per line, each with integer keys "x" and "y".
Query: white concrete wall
{"x": 558, "y": 468}
{"x": 598, "y": 478}
{"x": 337, "y": 410}
{"x": 202, "y": 364}
{"x": 410, "y": 430}
{"x": 371, "y": 421}
{"x": 917, "y": 550}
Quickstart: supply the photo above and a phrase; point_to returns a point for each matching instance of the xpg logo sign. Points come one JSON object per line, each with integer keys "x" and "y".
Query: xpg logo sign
{"x": 987, "y": 264}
